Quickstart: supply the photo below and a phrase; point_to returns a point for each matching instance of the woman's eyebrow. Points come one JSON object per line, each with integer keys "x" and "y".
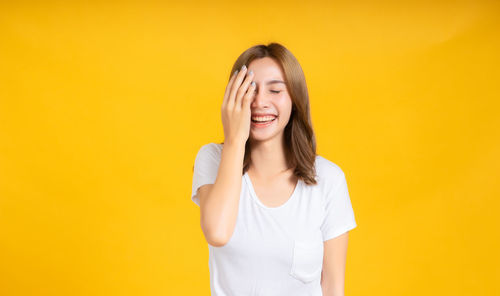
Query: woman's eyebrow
{"x": 274, "y": 81}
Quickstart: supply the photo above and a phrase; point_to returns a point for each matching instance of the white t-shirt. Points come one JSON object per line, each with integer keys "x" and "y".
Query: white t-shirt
{"x": 276, "y": 251}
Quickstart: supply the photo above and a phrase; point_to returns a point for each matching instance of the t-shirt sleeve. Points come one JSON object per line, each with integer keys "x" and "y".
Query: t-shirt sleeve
{"x": 206, "y": 166}
{"x": 339, "y": 215}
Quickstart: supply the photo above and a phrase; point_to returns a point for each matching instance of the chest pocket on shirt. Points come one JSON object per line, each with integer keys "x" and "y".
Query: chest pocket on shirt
{"x": 307, "y": 262}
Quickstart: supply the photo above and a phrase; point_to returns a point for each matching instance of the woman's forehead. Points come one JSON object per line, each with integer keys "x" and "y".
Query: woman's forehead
{"x": 266, "y": 72}
{"x": 265, "y": 64}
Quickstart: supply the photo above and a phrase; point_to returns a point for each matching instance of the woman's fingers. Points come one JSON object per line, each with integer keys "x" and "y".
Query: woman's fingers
{"x": 235, "y": 117}
{"x": 247, "y": 99}
{"x": 228, "y": 88}
{"x": 235, "y": 87}
{"x": 243, "y": 90}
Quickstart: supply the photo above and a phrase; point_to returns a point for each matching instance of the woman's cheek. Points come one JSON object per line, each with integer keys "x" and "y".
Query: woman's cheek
{"x": 281, "y": 99}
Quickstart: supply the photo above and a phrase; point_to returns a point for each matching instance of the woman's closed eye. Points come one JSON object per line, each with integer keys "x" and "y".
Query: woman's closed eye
{"x": 276, "y": 91}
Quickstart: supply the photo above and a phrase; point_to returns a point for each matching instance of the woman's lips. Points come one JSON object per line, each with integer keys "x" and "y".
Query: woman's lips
{"x": 263, "y": 124}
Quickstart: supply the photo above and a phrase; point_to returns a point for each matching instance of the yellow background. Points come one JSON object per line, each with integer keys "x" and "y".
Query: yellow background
{"x": 104, "y": 105}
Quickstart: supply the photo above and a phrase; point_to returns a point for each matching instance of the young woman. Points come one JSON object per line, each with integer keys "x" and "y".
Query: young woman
{"x": 275, "y": 215}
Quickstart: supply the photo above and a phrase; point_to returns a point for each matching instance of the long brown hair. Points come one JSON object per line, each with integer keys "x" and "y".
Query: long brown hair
{"x": 300, "y": 142}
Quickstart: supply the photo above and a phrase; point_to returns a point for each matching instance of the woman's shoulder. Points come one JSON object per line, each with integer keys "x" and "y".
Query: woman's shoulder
{"x": 329, "y": 176}
{"x": 327, "y": 170}
{"x": 209, "y": 153}
{"x": 213, "y": 148}
{"x": 213, "y": 145}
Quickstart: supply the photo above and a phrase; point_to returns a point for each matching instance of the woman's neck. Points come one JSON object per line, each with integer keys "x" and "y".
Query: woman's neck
{"x": 268, "y": 158}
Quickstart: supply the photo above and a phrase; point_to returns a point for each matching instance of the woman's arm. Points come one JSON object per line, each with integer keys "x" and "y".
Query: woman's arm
{"x": 334, "y": 260}
{"x": 219, "y": 201}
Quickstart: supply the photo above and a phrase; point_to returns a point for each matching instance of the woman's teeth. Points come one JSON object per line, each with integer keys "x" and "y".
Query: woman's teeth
{"x": 263, "y": 118}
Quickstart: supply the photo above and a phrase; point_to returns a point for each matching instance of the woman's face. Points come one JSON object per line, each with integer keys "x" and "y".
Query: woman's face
{"x": 271, "y": 97}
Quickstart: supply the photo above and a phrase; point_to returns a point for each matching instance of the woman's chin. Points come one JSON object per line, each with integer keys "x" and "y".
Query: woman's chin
{"x": 261, "y": 135}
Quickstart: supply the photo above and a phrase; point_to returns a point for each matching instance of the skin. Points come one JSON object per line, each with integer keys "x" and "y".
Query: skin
{"x": 268, "y": 163}
{"x": 268, "y": 151}
{"x": 272, "y": 180}
{"x": 334, "y": 260}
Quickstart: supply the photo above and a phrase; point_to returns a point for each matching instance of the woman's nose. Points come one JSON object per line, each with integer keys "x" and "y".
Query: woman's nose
{"x": 259, "y": 99}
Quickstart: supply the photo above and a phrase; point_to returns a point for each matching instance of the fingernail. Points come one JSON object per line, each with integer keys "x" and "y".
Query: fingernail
{"x": 243, "y": 68}
{"x": 250, "y": 73}
{"x": 253, "y": 83}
